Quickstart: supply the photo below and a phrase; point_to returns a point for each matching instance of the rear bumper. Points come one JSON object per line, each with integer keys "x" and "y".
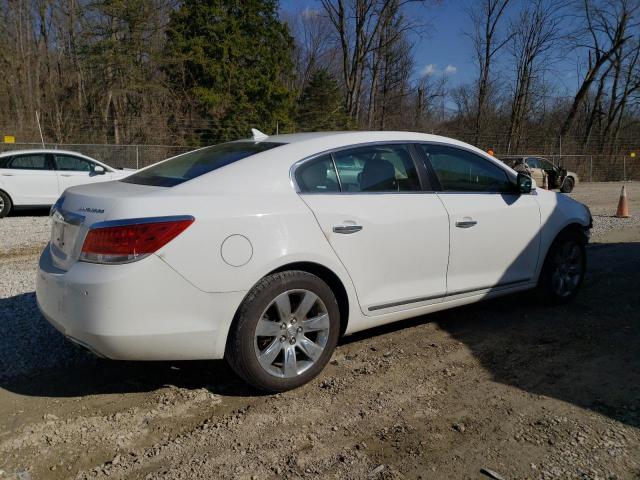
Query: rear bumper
{"x": 138, "y": 311}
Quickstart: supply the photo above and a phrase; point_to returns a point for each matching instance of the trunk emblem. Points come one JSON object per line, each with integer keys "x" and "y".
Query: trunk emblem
{"x": 91, "y": 210}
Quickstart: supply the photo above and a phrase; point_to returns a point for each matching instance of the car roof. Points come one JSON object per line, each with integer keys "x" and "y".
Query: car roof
{"x": 42, "y": 150}
{"x": 355, "y": 137}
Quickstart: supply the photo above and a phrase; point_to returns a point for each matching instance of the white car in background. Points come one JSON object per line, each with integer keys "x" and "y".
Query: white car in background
{"x": 265, "y": 251}
{"x": 36, "y": 178}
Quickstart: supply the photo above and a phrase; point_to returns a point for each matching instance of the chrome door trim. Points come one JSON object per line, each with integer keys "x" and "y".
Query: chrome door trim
{"x": 502, "y": 286}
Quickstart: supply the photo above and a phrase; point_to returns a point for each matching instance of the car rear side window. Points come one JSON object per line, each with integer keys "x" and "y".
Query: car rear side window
{"x": 459, "y": 170}
{"x": 190, "y": 165}
{"x": 377, "y": 168}
{"x": 318, "y": 176}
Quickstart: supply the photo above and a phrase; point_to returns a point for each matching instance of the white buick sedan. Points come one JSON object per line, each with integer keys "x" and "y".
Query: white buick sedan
{"x": 36, "y": 178}
{"x": 265, "y": 251}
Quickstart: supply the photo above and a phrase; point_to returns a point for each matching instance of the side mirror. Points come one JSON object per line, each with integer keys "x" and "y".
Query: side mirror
{"x": 99, "y": 170}
{"x": 524, "y": 183}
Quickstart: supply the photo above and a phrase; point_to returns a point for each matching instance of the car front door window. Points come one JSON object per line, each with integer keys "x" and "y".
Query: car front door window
{"x": 68, "y": 163}
{"x": 462, "y": 171}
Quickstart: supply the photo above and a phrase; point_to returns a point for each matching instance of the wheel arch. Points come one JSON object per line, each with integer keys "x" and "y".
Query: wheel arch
{"x": 573, "y": 227}
{"x": 331, "y": 279}
{"x": 4, "y": 190}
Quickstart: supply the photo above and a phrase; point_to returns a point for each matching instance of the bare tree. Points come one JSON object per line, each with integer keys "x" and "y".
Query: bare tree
{"x": 314, "y": 47}
{"x": 358, "y": 24}
{"x": 534, "y": 33}
{"x": 488, "y": 40}
{"x": 606, "y": 27}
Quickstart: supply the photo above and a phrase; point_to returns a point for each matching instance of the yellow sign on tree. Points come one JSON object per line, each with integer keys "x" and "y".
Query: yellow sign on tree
{"x": 9, "y": 139}
{"x": 633, "y": 154}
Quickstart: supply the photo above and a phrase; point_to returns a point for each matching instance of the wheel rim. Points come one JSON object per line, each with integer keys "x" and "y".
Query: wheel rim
{"x": 567, "y": 269}
{"x": 292, "y": 333}
{"x": 1, "y": 204}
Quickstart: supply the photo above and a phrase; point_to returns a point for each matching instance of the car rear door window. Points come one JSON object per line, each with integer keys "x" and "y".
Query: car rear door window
{"x": 377, "y": 168}
{"x": 459, "y": 170}
{"x": 29, "y": 162}
{"x": 75, "y": 164}
{"x": 318, "y": 176}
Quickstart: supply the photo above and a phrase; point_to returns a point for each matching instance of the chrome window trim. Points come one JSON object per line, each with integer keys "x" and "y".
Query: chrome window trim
{"x": 331, "y": 151}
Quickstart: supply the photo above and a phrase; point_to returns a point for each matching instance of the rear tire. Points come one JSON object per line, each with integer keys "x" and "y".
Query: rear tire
{"x": 5, "y": 204}
{"x": 563, "y": 270}
{"x": 567, "y": 185}
{"x": 285, "y": 331}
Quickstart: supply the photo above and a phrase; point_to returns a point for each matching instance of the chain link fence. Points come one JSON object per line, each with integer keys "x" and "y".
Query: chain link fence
{"x": 590, "y": 168}
{"x": 117, "y": 156}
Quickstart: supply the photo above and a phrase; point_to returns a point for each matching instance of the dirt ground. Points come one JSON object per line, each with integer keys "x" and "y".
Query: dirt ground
{"x": 504, "y": 388}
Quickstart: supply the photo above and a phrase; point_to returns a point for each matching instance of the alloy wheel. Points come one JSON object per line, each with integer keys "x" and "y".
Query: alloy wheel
{"x": 292, "y": 333}
{"x": 568, "y": 268}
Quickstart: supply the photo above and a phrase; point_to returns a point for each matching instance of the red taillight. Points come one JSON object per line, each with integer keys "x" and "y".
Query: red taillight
{"x": 129, "y": 242}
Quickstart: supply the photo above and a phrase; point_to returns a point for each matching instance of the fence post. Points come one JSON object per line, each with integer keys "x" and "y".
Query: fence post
{"x": 591, "y": 169}
{"x": 137, "y": 159}
{"x": 624, "y": 168}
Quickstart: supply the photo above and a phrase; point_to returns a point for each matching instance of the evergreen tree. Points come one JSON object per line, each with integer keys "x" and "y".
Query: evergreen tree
{"x": 321, "y": 106}
{"x": 233, "y": 57}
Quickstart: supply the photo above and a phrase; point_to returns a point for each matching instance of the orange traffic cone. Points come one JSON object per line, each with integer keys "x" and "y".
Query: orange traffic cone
{"x": 623, "y": 206}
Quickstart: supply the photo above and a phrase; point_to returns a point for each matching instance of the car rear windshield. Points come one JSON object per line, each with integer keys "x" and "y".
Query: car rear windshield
{"x": 193, "y": 164}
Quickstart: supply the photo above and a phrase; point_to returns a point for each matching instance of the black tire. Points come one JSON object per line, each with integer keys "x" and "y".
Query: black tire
{"x": 243, "y": 344}
{"x": 5, "y": 204}
{"x": 567, "y": 185}
{"x": 557, "y": 267}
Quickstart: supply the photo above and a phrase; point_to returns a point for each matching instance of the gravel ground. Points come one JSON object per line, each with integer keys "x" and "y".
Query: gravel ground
{"x": 505, "y": 386}
{"x": 602, "y": 199}
{"x": 23, "y": 234}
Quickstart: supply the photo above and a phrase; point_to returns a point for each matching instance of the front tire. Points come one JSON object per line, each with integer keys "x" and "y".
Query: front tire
{"x": 5, "y": 204}
{"x": 563, "y": 270}
{"x": 285, "y": 331}
{"x": 567, "y": 185}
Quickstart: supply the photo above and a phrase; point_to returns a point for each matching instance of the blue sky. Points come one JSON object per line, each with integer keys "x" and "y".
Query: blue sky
{"x": 444, "y": 47}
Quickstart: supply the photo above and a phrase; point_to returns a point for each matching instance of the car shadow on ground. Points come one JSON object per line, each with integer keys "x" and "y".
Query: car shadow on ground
{"x": 586, "y": 353}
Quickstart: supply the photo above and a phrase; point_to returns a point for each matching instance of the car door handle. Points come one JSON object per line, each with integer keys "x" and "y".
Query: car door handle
{"x": 8, "y": 174}
{"x": 466, "y": 223}
{"x": 66, "y": 175}
{"x": 346, "y": 229}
